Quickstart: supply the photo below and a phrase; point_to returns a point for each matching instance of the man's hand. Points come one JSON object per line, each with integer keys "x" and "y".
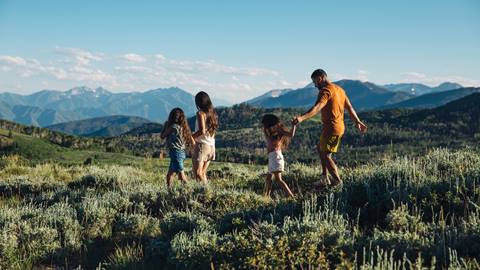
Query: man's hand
{"x": 296, "y": 120}
{"x": 361, "y": 127}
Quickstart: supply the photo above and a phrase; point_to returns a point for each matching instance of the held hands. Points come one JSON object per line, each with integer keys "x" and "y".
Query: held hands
{"x": 192, "y": 141}
{"x": 296, "y": 120}
{"x": 361, "y": 127}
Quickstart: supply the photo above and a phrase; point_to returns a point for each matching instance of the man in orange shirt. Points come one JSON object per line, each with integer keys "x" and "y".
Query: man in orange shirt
{"x": 331, "y": 102}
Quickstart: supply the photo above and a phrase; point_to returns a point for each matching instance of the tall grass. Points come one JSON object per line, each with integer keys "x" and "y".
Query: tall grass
{"x": 400, "y": 213}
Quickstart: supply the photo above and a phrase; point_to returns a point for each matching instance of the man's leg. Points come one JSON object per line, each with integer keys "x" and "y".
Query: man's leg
{"x": 324, "y": 181}
{"x": 323, "y": 161}
{"x": 332, "y": 168}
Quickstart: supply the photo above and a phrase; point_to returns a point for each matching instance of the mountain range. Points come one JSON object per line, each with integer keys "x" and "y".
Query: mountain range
{"x": 366, "y": 96}
{"x": 432, "y": 100}
{"x": 420, "y": 89}
{"x": 48, "y": 107}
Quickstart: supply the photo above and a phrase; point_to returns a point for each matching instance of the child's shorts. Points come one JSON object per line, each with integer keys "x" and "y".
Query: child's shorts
{"x": 203, "y": 152}
{"x": 177, "y": 157}
{"x": 276, "y": 163}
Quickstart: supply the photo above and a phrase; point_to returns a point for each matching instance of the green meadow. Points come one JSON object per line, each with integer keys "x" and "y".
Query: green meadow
{"x": 397, "y": 213}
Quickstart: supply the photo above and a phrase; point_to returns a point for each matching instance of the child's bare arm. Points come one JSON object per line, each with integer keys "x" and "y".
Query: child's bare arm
{"x": 290, "y": 133}
{"x": 166, "y": 131}
{"x": 293, "y": 130}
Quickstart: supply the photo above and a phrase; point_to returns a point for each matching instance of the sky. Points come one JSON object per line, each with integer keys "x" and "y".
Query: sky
{"x": 235, "y": 50}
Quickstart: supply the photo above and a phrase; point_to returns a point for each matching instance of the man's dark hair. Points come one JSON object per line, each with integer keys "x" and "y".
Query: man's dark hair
{"x": 318, "y": 73}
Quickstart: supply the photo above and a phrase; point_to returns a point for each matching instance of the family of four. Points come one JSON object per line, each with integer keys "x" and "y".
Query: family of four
{"x": 331, "y": 103}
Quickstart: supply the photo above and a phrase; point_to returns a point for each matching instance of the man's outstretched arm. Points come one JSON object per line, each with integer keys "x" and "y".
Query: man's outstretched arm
{"x": 353, "y": 115}
{"x": 321, "y": 102}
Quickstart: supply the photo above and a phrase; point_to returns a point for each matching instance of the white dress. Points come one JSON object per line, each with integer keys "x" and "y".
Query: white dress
{"x": 206, "y": 138}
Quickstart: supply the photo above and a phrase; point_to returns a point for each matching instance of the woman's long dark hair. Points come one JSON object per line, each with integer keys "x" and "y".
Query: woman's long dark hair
{"x": 274, "y": 129}
{"x": 204, "y": 104}
{"x": 177, "y": 116}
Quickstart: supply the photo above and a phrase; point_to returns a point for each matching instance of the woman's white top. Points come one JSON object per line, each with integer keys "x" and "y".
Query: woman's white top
{"x": 206, "y": 138}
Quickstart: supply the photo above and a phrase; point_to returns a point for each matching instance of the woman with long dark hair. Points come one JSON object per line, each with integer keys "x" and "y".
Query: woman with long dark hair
{"x": 206, "y": 125}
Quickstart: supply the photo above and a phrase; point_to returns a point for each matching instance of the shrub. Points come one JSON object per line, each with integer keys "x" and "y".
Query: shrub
{"x": 136, "y": 226}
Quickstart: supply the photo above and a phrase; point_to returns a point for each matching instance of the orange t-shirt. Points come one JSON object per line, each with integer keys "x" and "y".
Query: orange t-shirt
{"x": 332, "y": 97}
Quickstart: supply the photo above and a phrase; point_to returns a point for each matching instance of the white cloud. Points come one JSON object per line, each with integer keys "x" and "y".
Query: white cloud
{"x": 417, "y": 77}
{"x": 79, "y": 56}
{"x": 362, "y": 75}
{"x": 136, "y": 69}
{"x": 12, "y": 60}
{"x": 414, "y": 75}
{"x": 285, "y": 83}
{"x": 302, "y": 83}
{"x": 337, "y": 76}
{"x": 210, "y": 66}
{"x": 135, "y": 58}
{"x": 160, "y": 57}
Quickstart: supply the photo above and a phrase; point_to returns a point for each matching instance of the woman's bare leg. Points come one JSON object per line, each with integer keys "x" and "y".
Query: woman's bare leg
{"x": 197, "y": 169}
{"x": 204, "y": 170}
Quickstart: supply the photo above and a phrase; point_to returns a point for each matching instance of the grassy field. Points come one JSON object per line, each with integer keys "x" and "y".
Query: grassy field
{"x": 38, "y": 150}
{"x": 398, "y": 213}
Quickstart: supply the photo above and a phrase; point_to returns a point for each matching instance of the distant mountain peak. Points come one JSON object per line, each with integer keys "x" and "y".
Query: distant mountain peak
{"x": 420, "y": 89}
{"x": 276, "y": 93}
{"x": 448, "y": 86}
{"x": 101, "y": 90}
{"x": 80, "y": 90}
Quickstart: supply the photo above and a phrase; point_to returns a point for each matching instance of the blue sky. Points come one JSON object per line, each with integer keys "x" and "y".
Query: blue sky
{"x": 234, "y": 49}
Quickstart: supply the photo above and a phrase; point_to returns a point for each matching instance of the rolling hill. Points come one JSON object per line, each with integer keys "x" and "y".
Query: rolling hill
{"x": 108, "y": 126}
{"x": 434, "y": 99}
{"x": 36, "y": 149}
{"x": 461, "y": 116}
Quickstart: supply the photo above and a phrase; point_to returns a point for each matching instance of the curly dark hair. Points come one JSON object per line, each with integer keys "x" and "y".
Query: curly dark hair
{"x": 177, "y": 116}
{"x": 274, "y": 130}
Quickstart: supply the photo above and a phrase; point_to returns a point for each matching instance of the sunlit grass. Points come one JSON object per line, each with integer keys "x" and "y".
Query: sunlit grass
{"x": 398, "y": 213}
